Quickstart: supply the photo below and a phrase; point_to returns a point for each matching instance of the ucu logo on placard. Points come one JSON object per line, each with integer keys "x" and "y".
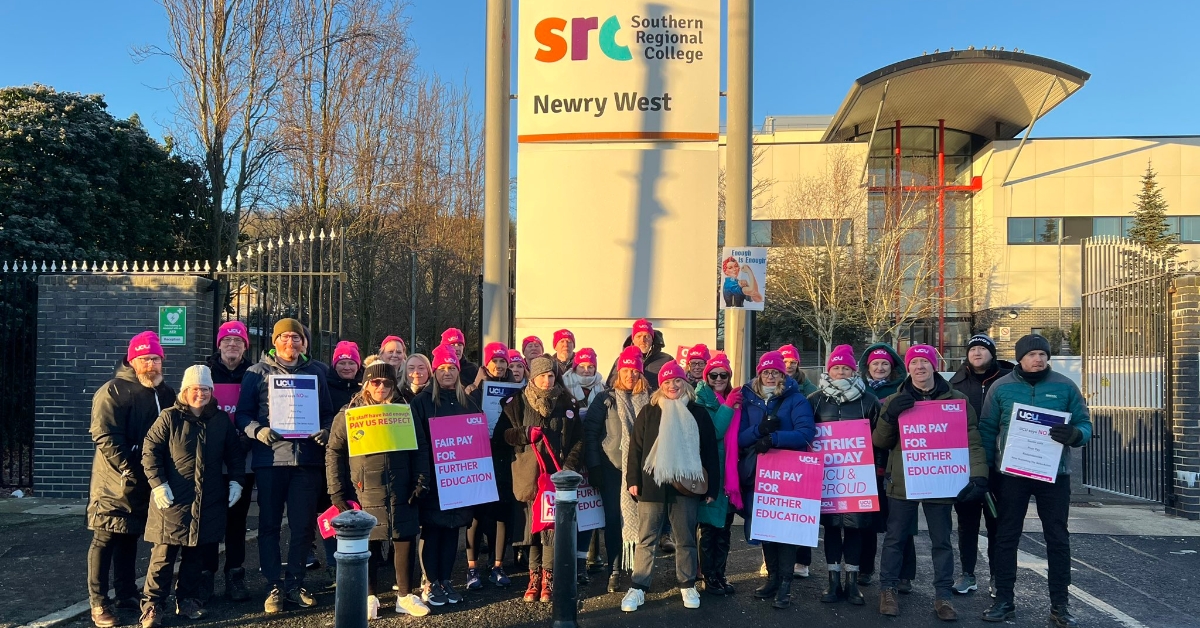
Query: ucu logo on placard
{"x": 285, "y": 383}
{"x": 474, "y": 421}
{"x": 550, "y": 34}
{"x": 950, "y": 407}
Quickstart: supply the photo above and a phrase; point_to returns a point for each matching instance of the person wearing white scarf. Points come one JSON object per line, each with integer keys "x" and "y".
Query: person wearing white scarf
{"x": 583, "y": 382}
{"x": 673, "y": 441}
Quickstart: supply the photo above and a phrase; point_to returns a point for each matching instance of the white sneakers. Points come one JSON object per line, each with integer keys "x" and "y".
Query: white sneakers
{"x": 800, "y": 571}
{"x": 411, "y": 605}
{"x": 633, "y": 599}
{"x": 691, "y": 597}
{"x": 372, "y": 607}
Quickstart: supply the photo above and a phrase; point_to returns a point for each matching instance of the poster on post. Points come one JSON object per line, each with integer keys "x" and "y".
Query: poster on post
{"x": 933, "y": 442}
{"x": 787, "y": 498}
{"x": 226, "y": 396}
{"x": 494, "y": 396}
{"x": 462, "y": 460}
{"x": 380, "y": 428}
{"x": 1028, "y": 449}
{"x": 293, "y": 405}
{"x": 743, "y": 278}
{"x": 848, "y": 481}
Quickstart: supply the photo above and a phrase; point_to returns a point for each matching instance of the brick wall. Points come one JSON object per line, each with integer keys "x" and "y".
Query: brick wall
{"x": 84, "y": 326}
{"x": 1026, "y": 320}
{"x": 1185, "y": 390}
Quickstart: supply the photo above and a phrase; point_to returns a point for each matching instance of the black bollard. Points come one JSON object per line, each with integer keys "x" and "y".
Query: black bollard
{"x": 566, "y": 588}
{"x": 353, "y": 533}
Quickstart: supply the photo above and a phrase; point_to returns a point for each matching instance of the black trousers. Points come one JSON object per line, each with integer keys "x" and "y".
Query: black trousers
{"x": 161, "y": 571}
{"x": 968, "y": 514}
{"x": 439, "y": 547}
{"x": 115, "y": 551}
{"x": 714, "y": 548}
{"x": 870, "y": 541}
{"x": 844, "y": 543}
{"x": 1053, "y": 508}
{"x": 297, "y": 489}
{"x": 235, "y": 527}
{"x": 610, "y": 496}
{"x": 780, "y": 559}
{"x": 401, "y": 550}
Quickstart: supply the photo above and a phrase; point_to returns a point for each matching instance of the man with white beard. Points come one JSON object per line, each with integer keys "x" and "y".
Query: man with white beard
{"x": 123, "y": 409}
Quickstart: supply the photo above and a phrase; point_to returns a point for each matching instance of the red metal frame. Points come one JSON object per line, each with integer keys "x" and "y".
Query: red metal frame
{"x": 940, "y": 188}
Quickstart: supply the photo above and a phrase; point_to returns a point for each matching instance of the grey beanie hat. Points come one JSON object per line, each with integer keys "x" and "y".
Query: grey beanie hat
{"x": 1032, "y": 342}
{"x": 540, "y": 365}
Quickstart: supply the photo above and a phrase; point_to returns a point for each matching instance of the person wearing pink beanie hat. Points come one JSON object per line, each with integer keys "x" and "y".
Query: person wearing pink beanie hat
{"x": 345, "y": 379}
{"x": 774, "y": 414}
{"x": 393, "y": 351}
{"x": 456, "y": 340}
{"x": 532, "y": 347}
{"x": 715, "y": 393}
{"x": 842, "y": 396}
{"x": 563, "y": 358}
{"x": 791, "y": 359}
{"x": 697, "y": 360}
{"x": 517, "y": 366}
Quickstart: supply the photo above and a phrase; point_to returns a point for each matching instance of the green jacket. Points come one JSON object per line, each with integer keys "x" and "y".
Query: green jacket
{"x": 898, "y": 372}
{"x": 714, "y": 514}
{"x": 887, "y": 436}
{"x": 1055, "y": 392}
{"x": 807, "y": 387}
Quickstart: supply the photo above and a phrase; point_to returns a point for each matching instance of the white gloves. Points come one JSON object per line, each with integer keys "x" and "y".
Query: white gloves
{"x": 235, "y": 493}
{"x": 162, "y": 496}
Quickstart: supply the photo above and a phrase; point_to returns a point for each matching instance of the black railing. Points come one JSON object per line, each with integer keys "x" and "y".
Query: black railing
{"x": 18, "y": 374}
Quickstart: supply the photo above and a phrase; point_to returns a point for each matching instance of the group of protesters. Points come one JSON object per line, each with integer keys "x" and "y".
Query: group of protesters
{"x": 670, "y": 444}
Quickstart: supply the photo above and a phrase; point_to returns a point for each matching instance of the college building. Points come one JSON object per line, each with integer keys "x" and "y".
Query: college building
{"x": 957, "y": 130}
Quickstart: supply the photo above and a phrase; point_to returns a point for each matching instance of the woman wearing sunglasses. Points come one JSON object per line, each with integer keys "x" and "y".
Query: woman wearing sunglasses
{"x": 716, "y": 394}
{"x": 386, "y": 485}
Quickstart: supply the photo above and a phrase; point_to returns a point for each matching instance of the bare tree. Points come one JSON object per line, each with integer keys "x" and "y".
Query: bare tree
{"x": 229, "y": 63}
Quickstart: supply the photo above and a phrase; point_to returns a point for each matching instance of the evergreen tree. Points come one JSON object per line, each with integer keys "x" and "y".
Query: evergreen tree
{"x": 1150, "y": 227}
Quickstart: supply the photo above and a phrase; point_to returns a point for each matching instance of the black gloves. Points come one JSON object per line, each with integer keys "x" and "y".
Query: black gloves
{"x": 769, "y": 425}
{"x": 1065, "y": 433}
{"x": 899, "y": 403}
{"x": 420, "y": 487}
{"x": 596, "y": 477}
{"x": 763, "y": 444}
{"x": 974, "y": 490}
{"x": 267, "y": 436}
{"x": 342, "y": 506}
{"x": 321, "y": 436}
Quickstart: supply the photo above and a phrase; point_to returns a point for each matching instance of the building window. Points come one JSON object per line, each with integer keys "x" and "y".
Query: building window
{"x": 1075, "y": 229}
{"x": 809, "y": 232}
{"x": 760, "y": 232}
{"x": 1020, "y": 230}
{"x": 1189, "y": 229}
{"x": 1107, "y": 227}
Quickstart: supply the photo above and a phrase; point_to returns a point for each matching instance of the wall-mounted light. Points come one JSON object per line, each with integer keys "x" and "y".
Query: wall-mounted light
{"x": 1012, "y": 313}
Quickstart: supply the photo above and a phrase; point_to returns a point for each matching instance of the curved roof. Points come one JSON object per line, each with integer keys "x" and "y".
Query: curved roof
{"x": 992, "y": 93}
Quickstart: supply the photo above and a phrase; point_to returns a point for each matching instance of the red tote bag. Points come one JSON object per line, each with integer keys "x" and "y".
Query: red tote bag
{"x": 543, "y": 505}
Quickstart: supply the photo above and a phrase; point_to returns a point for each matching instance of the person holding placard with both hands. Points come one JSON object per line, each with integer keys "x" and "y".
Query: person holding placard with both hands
{"x": 1033, "y": 383}
{"x": 923, "y": 383}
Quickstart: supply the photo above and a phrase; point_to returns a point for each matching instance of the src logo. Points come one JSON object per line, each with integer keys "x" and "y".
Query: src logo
{"x": 550, "y": 34}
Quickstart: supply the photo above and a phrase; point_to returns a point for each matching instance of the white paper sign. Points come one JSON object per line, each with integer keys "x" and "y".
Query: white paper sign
{"x": 294, "y": 405}
{"x": 1029, "y": 451}
{"x": 494, "y": 394}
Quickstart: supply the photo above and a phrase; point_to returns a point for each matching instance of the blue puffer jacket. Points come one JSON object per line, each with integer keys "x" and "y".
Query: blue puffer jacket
{"x": 253, "y": 410}
{"x": 792, "y": 408}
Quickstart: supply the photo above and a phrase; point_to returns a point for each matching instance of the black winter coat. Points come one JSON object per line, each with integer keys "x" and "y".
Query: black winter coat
{"x": 652, "y": 362}
{"x": 562, "y": 429}
{"x": 253, "y": 414}
{"x": 425, "y": 411}
{"x": 825, "y": 409}
{"x": 221, "y": 374}
{"x": 645, "y": 432}
{"x": 976, "y": 386}
{"x": 502, "y": 452}
{"x": 381, "y": 483}
{"x": 341, "y": 391}
{"x": 122, "y": 412}
{"x": 187, "y": 452}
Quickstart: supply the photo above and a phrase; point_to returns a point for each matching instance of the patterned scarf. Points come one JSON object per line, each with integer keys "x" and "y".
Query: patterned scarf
{"x": 842, "y": 390}
{"x": 628, "y": 406}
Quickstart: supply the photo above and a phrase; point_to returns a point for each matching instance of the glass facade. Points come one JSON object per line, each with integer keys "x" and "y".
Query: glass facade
{"x": 1075, "y": 228}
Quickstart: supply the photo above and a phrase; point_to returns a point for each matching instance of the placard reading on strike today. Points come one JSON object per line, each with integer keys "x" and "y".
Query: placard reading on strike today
{"x": 462, "y": 460}
{"x": 380, "y": 428}
{"x": 619, "y": 70}
{"x": 787, "y": 498}
{"x": 848, "y": 483}
{"x": 933, "y": 442}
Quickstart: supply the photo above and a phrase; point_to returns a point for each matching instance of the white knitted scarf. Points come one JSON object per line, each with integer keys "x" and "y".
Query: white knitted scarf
{"x": 675, "y": 454}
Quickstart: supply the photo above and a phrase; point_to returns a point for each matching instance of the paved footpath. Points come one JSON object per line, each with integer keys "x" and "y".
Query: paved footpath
{"x": 1133, "y": 567}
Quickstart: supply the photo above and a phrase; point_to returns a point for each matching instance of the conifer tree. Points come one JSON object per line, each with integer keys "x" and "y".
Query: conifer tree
{"x": 1150, "y": 227}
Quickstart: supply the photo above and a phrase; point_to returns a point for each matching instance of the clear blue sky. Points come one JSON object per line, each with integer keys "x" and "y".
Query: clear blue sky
{"x": 1142, "y": 56}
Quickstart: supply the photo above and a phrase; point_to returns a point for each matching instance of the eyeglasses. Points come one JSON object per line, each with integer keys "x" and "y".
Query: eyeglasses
{"x": 149, "y": 358}
{"x": 292, "y": 338}
{"x": 718, "y": 375}
{"x": 381, "y": 383}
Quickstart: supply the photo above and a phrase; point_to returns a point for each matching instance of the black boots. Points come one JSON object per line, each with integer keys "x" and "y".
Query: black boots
{"x": 833, "y": 592}
{"x": 1004, "y": 611}
{"x": 235, "y": 585}
{"x": 853, "y": 595}
{"x": 1060, "y": 617}
{"x": 783, "y": 595}
{"x": 771, "y": 559}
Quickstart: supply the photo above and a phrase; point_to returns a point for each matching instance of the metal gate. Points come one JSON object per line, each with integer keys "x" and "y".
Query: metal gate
{"x": 300, "y": 277}
{"x": 18, "y": 353}
{"x": 1126, "y": 376}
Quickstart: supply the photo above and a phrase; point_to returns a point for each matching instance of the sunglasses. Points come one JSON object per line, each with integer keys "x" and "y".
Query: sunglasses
{"x": 718, "y": 375}
{"x": 381, "y": 383}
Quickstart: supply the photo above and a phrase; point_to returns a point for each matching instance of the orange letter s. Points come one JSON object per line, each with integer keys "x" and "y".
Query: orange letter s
{"x": 555, "y": 45}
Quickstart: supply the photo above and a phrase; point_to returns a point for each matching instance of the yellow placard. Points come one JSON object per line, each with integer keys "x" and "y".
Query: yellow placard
{"x": 380, "y": 428}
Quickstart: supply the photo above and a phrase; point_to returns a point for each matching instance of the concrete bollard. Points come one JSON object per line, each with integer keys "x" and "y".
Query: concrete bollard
{"x": 353, "y": 529}
{"x": 566, "y": 588}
